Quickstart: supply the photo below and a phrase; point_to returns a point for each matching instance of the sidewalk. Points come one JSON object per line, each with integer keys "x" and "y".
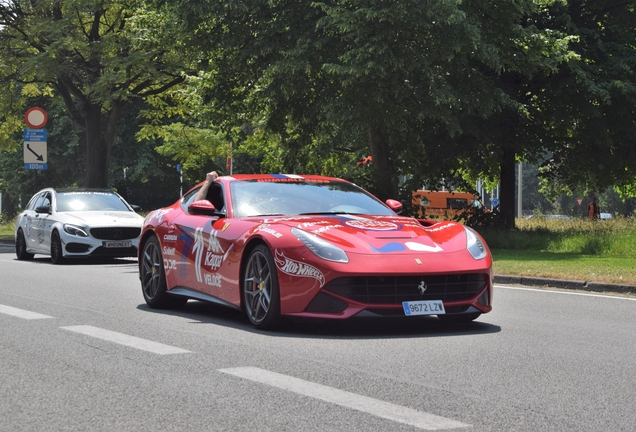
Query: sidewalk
{"x": 8, "y": 246}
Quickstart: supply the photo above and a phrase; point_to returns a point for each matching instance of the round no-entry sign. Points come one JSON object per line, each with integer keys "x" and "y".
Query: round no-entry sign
{"x": 36, "y": 118}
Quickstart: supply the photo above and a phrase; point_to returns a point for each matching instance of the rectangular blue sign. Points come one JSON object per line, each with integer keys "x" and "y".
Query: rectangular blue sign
{"x": 34, "y": 135}
{"x": 36, "y": 166}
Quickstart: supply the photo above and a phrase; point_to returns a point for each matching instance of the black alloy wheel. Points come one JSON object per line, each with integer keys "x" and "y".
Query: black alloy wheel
{"x": 261, "y": 296}
{"x": 21, "y": 247}
{"x": 153, "y": 278}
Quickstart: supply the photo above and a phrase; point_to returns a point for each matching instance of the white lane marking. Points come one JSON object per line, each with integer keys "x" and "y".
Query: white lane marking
{"x": 576, "y": 293}
{"x": 343, "y": 398}
{"x": 123, "y": 339}
{"x": 21, "y": 313}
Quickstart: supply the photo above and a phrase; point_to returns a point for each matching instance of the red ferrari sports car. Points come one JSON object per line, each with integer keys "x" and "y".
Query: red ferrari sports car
{"x": 310, "y": 246}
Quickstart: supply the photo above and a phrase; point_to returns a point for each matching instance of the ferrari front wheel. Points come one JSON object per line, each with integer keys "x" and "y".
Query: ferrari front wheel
{"x": 261, "y": 296}
{"x": 153, "y": 278}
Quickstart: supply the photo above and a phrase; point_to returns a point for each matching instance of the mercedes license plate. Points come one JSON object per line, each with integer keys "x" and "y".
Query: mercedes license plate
{"x": 117, "y": 244}
{"x": 424, "y": 307}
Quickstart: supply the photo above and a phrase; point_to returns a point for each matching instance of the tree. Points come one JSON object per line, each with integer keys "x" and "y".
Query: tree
{"x": 589, "y": 107}
{"x": 99, "y": 56}
{"x": 428, "y": 89}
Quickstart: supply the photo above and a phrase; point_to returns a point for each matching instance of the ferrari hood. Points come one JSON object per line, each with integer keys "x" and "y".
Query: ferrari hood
{"x": 381, "y": 234}
{"x": 100, "y": 218}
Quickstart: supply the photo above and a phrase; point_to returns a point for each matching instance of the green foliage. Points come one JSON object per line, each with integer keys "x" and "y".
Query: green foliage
{"x": 98, "y": 56}
{"x": 614, "y": 238}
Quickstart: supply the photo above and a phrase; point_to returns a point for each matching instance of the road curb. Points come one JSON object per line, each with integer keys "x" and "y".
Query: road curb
{"x": 566, "y": 284}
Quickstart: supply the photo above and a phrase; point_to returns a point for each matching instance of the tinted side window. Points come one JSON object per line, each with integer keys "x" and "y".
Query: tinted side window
{"x": 39, "y": 201}
{"x": 46, "y": 201}
{"x": 34, "y": 199}
{"x": 188, "y": 199}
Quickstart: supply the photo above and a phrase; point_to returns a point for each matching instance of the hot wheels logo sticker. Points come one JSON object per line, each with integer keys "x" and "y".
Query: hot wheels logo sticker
{"x": 296, "y": 268}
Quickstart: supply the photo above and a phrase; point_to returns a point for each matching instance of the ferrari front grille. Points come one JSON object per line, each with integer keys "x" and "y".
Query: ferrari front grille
{"x": 115, "y": 233}
{"x": 398, "y": 289}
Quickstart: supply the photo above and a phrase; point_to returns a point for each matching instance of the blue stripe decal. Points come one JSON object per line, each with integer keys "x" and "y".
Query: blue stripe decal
{"x": 390, "y": 247}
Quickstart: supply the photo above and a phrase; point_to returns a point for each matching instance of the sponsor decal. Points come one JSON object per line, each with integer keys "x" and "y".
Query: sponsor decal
{"x": 210, "y": 247}
{"x": 297, "y": 268}
{"x": 372, "y": 225}
{"x": 282, "y": 219}
{"x": 418, "y": 261}
{"x": 197, "y": 249}
{"x": 213, "y": 261}
{"x": 310, "y": 224}
{"x": 169, "y": 237}
{"x": 158, "y": 214}
{"x": 121, "y": 215}
{"x": 267, "y": 229}
{"x": 88, "y": 193}
{"x": 213, "y": 243}
{"x": 213, "y": 280}
{"x": 440, "y": 228}
{"x": 169, "y": 264}
{"x": 325, "y": 228}
{"x": 168, "y": 250}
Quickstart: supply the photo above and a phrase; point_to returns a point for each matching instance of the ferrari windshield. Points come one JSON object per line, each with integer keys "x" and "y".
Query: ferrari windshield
{"x": 259, "y": 198}
{"x": 89, "y": 201}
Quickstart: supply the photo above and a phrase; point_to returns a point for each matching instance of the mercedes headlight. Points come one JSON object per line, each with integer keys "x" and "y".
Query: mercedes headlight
{"x": 75, "y": 230}
{"x": 320, "y": 247}
{"x": 474, "y": 245}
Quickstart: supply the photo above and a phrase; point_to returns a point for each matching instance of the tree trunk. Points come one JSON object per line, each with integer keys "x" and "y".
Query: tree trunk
{"x": 507, "y": 190}
{"x": 99, "y": 142}
{"x": 385, "y": 184}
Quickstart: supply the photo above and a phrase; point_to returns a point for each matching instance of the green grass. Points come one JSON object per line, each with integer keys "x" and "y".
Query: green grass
{"x": 559, "y": 265}
{"x": 599, "y": 251}
{"x": 6, "y": 230}
{"x": 580, "y": 249}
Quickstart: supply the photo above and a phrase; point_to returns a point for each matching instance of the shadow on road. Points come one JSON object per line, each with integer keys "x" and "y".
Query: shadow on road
{"x": 354, "y": 328}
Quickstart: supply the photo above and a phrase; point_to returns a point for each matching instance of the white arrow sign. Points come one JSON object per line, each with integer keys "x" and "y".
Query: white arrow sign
{"x": 35, "y": 152}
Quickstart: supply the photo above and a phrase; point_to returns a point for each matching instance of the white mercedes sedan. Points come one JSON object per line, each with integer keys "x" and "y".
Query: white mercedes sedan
{"x": 75, "y": 223}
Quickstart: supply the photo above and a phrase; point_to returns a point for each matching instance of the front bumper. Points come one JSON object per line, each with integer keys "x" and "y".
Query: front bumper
{"x": 77, "y": 247}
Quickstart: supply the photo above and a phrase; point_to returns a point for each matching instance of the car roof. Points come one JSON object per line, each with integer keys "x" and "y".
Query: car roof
{"x": 279, "y": 176}
{"x": 83, "y": 190}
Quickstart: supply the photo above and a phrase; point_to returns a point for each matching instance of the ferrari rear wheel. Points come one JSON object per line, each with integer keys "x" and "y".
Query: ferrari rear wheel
{"x": 261, "y": 296}
{"x": 56, "y": 249}
{"x": 459, "y": 318}
{"x": 21, "y": 247}
{"x": 153, "y": 278}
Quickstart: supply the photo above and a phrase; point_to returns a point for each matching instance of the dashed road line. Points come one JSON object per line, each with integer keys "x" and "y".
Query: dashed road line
{"x": 346, "y": 399}
{"x": 123, "y": 339}
{"x": 21, "y": 313}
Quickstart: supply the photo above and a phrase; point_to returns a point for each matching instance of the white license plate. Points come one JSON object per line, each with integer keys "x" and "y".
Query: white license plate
{"x": 424, "y": 307}
{"x": 117, "y": 244}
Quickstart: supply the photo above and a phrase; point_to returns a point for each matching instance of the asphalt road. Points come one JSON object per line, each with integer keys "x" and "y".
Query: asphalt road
{"x": 79, "y": 350}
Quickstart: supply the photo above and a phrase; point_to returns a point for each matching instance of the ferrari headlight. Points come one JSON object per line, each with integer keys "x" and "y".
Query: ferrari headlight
{"x": 320, "y": 247}
{"x": 75, "y": 230}
{"x": 474, "y": 244}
